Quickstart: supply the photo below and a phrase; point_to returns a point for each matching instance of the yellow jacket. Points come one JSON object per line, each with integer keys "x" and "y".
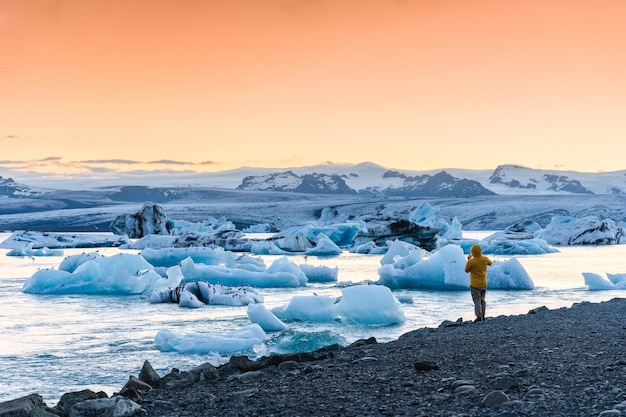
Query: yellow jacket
{"x": 477, "y": 267}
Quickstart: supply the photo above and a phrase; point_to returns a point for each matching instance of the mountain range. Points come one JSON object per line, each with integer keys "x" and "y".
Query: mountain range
{"x": 364, "y": 178}
{"x": 480, "y": 199}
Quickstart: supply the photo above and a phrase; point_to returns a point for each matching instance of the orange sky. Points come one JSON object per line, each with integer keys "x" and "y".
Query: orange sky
{"x": 219, "y": 84}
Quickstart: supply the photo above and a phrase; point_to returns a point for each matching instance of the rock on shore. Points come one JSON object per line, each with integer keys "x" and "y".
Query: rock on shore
{"x": 564, "y": 362}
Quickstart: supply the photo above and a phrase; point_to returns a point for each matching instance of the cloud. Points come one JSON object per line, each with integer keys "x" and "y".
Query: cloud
{"x": 169, "y": 162}
{"x": 55, "y": 166}
{"x": 110, "y": 161}
{"x": 8, "y": 162}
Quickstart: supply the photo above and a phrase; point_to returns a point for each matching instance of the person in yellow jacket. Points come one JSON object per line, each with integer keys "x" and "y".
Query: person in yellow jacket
{"x": 477, "y": 267}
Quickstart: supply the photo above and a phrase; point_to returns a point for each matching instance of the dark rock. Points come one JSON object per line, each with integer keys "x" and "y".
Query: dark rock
{"x": 104, "y": 407}
{"x": 68, "y": 400}
{"x": 149, "y": 375}
{"x": 505, "y": 383}
{"x": 242, "y": 363}
{"x": 24, "y": 407}
{"x": 495, "y": 398}
{"x": 425, "y": 366}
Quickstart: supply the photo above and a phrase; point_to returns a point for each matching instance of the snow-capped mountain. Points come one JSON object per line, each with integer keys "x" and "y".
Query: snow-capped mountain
{"x": 370, "y": 178}
{"x": 510, "y": 179}
{"x": 10, "y": 188}
{"x": 288, "y": 181}
{"x": 394, "y": 183}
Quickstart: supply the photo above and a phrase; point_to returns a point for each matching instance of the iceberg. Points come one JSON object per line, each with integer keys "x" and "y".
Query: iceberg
{"x": 116, "y": 275}
{"x": 588, "y": 230}
{"x": 199, "y": 293}
{"x": 359, "y": 304}
{"x": 39, "y": 240}
{"x": 341, "y": 234}
{"x": 27, "y": 250}
{"x": 280, "y": 274}
{"x": 259, "y": 314}
{"x": 319, "y": 273}
{"x": 408, "y": 268}
{"x": 324, "y": 247}
{"x": 166, "y": 257}
{"x": 202, "y": 343}
{"x": 597, "y": 282}
{"x": 313, "y": 308}
{"x": 369, "y": 304}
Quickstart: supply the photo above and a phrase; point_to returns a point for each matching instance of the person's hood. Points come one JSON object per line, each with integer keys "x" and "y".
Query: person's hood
{"x": 476, "y": 250}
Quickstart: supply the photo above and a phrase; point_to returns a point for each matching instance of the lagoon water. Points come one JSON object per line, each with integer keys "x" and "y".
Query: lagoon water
{"x": 52, "y": 344}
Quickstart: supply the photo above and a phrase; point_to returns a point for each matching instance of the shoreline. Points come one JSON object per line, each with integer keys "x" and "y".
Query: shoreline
{"x": 569, "y": 361}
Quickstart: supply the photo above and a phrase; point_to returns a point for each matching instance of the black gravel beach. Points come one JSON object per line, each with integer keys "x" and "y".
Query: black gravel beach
{"x": 564, "y": 362}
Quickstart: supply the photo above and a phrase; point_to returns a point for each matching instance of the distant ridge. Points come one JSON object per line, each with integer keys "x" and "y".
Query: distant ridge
{"x": 362, "y": 178}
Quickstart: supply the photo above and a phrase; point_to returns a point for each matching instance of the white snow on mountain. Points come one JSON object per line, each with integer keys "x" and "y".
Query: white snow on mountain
{"x": 503, "y": 180}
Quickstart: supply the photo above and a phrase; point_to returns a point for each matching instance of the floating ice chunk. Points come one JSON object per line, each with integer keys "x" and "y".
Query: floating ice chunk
{"x": 444, "y": 269}
{"x": 369, "y": 248}
{"x": 315, "y": 308}
{"x": 118, "y": 274}
{"x": 401, "y": 250}
{"x": 173, "y": 256}
{"x": 206, "y": 293}
{"x": 321, "y": 273}
{"x": 259, "y": 314}
{"x": 202, "y": 343}
{"x": 324, "y": 247}
{"x": 517, "y": 247}
{"x": 202, "y": 255}
{"x": 369, "y": 304}
{"x": 342, "y": 234}
{"x": 282, "y": 273}
{"x": 588, "y": 230}
{"x": 597, "y": 282}
{"x": 61, "y": 240}
{"x": 508, "y": 275}
{"x": 209, "y": 225}
{"x": 27, "y": 250}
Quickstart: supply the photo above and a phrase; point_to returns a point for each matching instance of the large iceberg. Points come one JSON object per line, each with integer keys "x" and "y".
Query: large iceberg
{"x": 359, "y": 304}
{"x": 369, "y": 304}
{"x": 588, "y": 230}
{"x": 281, "y": 273}
{"x": 408, "y": 267}
{"x": 118, "y": 274}
{"x": 314, "y": 308}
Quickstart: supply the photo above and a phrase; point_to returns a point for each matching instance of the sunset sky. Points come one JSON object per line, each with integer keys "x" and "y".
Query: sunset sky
{"x": 219, "y": 84}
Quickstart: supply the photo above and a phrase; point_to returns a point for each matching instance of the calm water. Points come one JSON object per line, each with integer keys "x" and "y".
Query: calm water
{"x": 52, "y": 344}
